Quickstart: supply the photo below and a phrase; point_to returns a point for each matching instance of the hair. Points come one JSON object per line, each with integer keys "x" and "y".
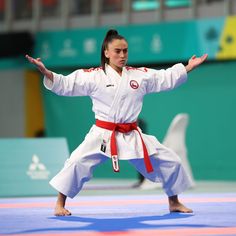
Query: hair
{"x": 110, "y": 36}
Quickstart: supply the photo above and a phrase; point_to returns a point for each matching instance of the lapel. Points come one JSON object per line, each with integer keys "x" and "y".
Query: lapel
{"x": 120, "y": 82}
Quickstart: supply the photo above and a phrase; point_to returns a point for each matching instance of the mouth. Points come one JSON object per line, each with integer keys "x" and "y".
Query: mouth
{"x": 122, "y": 61}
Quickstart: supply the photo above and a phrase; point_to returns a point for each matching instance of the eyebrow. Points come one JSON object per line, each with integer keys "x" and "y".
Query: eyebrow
{"x": 120, "y": 48}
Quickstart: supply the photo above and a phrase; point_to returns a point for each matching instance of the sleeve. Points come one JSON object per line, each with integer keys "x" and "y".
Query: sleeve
{"x": 164, "y": 80}
{"x": 78, "y": 83}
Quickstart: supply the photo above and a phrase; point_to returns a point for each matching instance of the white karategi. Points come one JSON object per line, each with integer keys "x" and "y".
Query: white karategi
{"x": 119, "y": 99}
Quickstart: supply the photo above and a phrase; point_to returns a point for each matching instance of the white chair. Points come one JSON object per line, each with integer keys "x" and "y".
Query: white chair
{"x": 175, "y": 139}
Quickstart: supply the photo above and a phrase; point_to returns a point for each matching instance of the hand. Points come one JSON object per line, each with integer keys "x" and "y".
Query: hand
{"x": 36, "y": 62}
{"x": 194, "y": 61}
{"x": 41, "y": 67}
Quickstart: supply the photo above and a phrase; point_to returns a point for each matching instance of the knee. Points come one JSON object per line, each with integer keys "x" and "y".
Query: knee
{"x": 74, "y": 159}
{"x": 177, "y": 162}
{"x": 174, "y": 158}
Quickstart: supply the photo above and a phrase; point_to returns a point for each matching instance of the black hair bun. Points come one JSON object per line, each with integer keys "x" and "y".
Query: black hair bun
{"x": 111, "y": 32}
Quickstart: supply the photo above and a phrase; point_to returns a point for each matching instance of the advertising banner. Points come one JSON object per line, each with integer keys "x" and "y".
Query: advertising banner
{"x": 27, "y": 165}
{"x": 148, "y": 44}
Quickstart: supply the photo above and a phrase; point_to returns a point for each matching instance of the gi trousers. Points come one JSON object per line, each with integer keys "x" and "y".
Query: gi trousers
{"x": 167, "y": 169}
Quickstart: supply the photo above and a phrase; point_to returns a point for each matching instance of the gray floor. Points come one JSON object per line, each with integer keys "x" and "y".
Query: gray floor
{"x": 124, "y": 186}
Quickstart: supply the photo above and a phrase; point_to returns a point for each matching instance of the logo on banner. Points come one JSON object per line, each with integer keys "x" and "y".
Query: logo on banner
{"x": 67, "y": 49}
{"x": 90, "y": 46}
{"x": 45, "y": 50}
{"x": 37, "y": 170}
{"x": 156, "y": 44}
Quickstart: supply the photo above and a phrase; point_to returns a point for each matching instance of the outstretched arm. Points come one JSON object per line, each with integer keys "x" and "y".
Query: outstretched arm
{"x": 194, "y": 62}
{"x": 41, "y": 67}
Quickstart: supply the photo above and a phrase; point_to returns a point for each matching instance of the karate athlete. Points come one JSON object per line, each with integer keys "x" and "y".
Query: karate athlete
{"x": 117, "y": 93}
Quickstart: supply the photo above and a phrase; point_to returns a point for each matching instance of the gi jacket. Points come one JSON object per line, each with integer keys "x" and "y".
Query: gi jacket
{"x": 118, "y": 99}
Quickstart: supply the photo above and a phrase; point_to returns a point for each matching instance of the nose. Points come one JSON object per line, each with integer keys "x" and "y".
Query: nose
{"x": 122, "y": 54}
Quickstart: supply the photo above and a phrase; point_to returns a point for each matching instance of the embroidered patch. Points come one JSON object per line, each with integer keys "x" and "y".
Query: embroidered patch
{"x": 110, "y": 85}
{"x": 103, "y": 146}
{"x": 134, "y": 84}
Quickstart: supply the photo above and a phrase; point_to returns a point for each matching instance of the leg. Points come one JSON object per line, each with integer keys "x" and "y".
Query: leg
{"x": 60, "y": 206}
{"x": 78, "y": 169}
{"x": 140, "y": 181}
{"x": 169, "y": 171}
{"x": 69, "y": 181}
{"x": 176, "y": 206}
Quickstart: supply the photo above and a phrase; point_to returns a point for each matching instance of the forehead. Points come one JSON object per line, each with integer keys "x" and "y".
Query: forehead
{"x": 118, "y": 43}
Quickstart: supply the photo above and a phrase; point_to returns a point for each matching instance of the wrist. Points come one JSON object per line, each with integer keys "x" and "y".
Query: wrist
{"x": 188, "y": 68}
{"x": 48, "y": 74}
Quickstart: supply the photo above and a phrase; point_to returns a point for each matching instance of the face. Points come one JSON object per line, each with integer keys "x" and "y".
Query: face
{"x": 117, "y": 53}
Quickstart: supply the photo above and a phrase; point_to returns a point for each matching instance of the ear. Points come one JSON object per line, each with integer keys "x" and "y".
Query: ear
{"x": 106, "y": 53}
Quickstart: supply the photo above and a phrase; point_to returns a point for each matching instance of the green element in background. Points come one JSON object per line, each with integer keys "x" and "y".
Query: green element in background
{"x": 151, "y": 43}
{"x": 209, "y": 35}
{"x": 139, "y": 5}
{"x": 69, "y": 48}
{"x": 27, "y": 165}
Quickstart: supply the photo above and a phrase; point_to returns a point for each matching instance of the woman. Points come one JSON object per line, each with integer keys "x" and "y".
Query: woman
{"x": 117, "y": 93}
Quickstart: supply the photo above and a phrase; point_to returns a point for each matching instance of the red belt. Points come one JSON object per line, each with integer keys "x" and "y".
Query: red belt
{"x": 123, "y": 128}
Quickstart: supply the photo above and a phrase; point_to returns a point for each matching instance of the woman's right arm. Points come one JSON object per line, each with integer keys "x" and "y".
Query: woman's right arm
{"x": 41, "y": 67}
{"x": 78, "y": 83}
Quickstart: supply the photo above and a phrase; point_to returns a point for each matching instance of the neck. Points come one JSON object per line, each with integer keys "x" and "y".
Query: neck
{"x": 117, "y": 69}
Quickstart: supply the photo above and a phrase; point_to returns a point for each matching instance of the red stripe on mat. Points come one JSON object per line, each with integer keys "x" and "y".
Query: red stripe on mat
{"x": 111, "y": 202}
{"x": 170, "y": 232}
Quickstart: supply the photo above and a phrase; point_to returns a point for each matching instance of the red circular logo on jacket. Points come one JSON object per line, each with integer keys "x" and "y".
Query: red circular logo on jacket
{"x": 134, "y": 84}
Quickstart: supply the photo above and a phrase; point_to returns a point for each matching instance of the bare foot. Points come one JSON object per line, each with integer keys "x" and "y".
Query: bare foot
{"x": 61, "y": 211}
{"x": 179, "y": 207}
{"x": 176, "y": 206}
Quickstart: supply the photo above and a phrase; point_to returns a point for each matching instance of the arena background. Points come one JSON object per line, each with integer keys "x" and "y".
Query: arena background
{"x": 28, "y": 111}
{"x": 39, "y": 130}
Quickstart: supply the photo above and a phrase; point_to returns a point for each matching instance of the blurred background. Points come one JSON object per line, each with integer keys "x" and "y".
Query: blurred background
{"x": 67, "y": 35}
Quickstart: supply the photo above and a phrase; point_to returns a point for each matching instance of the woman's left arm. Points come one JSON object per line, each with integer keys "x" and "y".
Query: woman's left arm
{"x": 168, "y": 79}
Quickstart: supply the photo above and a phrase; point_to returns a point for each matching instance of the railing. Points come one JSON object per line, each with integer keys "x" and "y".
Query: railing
{"x": 37, "y": 15}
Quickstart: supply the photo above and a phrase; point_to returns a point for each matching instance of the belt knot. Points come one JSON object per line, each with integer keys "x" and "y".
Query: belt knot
{"x": 123, "y": 128}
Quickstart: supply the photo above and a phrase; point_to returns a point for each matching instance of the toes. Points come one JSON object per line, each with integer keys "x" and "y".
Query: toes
{"x": 62, "y": 213}
{"x": 68, "y": 213}
{"x": 180, "y": 208}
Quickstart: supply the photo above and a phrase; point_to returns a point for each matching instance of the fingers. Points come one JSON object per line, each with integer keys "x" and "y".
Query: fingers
{"x": 204, "y": 57}
{"x": 27, "y": 56}
{"x": 199, "y": 60}
{"x": 30, "y": 59}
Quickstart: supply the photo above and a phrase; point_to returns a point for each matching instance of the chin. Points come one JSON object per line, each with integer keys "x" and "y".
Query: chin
{"x": 122, "y": 64}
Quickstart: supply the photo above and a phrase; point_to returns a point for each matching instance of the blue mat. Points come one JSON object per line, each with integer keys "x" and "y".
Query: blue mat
{"x": 121, "y": 214}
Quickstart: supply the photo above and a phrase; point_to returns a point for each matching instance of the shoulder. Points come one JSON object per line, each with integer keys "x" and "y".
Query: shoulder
{"x": 90, "y": 73}
{"x": 132, "y": 69}
{"x": 139, "y": 71}
{"x": 92, "y": 70}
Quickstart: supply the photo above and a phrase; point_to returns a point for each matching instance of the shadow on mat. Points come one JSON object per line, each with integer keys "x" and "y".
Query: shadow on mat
{"x": 124, "y": 223}
{"x": 117, "y": 224}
